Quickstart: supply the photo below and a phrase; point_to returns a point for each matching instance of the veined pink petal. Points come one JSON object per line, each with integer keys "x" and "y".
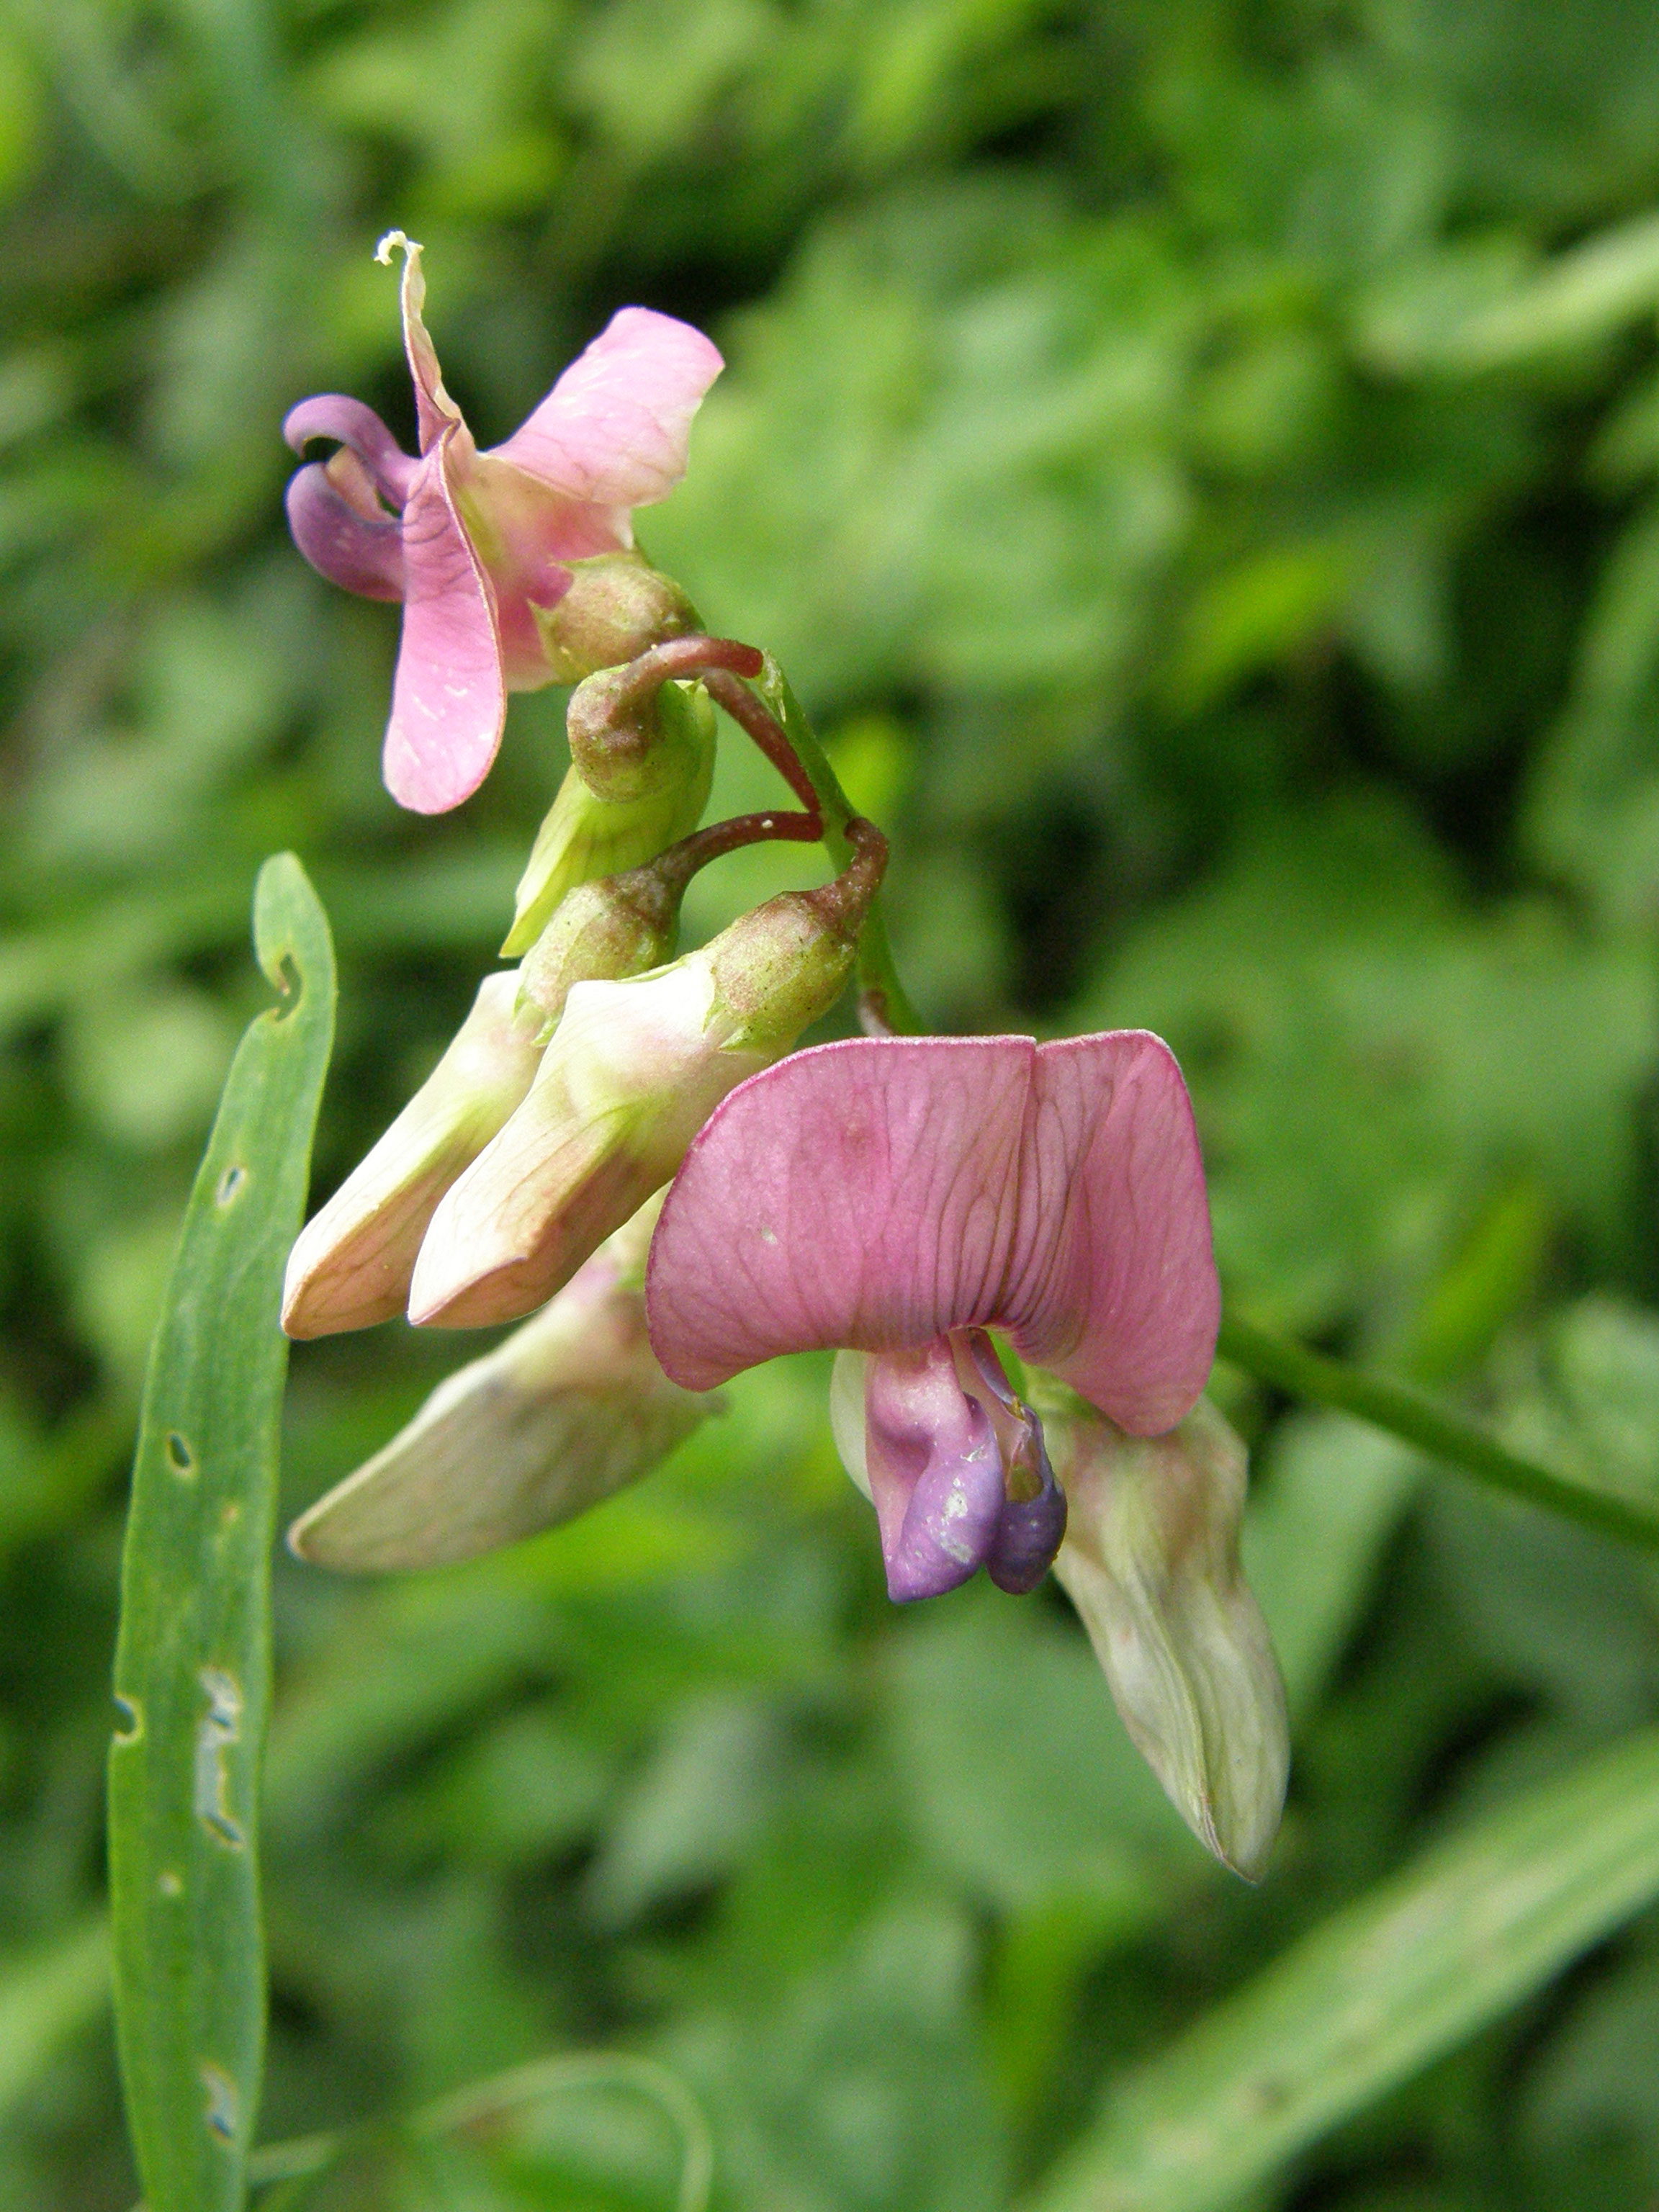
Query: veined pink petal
{"x": 340, "y": 543}
{"x": 860, "y": 1195}
{"x": 1113, "y": 1284}
{"x": 527, "y": 532}
{"x": 877, "y": 1193}
{"x": 434, "y": 410}
{"x": 448, "y": 700}
{"x": 614, "y": 429}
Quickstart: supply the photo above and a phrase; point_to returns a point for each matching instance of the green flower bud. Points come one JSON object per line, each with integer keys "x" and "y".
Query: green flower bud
{"x": 616, "y": 927}
{"x": 572, "y": 1407}
{"x": 779, "y": 970}
{"x": 617, "y": 607}
{"x": 1151, "y": 1561}
{"x": 584, "y": 837}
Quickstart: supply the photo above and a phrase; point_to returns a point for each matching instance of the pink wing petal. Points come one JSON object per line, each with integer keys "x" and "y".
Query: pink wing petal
{"x": 339, "y": 542}
{"x": 448, "y": 700}
{"x": 1114, "y": 1282}
{"x": 859, "y": 1195}
{"x": 359, "y": 429}
{"x": 615, "y": 428}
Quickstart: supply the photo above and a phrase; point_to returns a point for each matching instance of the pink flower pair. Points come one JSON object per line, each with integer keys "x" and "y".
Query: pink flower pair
{"x": 894, "y": 1198}
{"x": 479, "y": 546}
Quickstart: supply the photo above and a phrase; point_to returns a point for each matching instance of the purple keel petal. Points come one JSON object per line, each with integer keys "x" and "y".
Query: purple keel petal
{"x": 350, "y": 424}
{"x": 1114, "y": 1285}
{"x": 614, "y": 429}
{"x": 935, "y": 1472}
{"x": 1030, "y": 1531}
{"x": 1032, "y": 1522}
{"x": 448, "y": 700}
{"x": 859, "y": 1195}
{"x": 362, "y": 556}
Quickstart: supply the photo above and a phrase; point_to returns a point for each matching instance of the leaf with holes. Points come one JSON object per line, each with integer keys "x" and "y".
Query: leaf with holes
{"x": 192, "y": 1665}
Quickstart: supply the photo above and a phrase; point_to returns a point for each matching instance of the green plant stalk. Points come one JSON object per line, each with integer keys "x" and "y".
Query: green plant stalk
{"x": 1408, "y": 1414}
{"x": 308, "y": 2158}
{"x": 880, "y": 987}
{"x": 192, "y": 1668}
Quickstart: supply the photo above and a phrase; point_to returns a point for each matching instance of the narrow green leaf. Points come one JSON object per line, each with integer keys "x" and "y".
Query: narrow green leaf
{"x": 1445, "y": 1436}
{"x": 1366, "y": 2000}
{"x": 192, "y": 1665}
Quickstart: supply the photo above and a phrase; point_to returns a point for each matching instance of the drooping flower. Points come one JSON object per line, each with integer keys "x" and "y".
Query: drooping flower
{"x": 514, "y": 565}
{"x": 350, "y": 1265}
{"x": 568, "y": 1409}
{"x": 898, "y": 1196}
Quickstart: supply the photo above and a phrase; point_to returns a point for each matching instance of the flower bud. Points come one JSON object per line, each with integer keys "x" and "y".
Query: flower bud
{"x": 1151, "y": 1561}
{"x": 351, "y": 1264}
{"x": 572, "y": 1407}
{"x": 630, "y": 731}
{"x": 779, "y": 969}
{"x": 632, "y": 1072}
{"x": 618, "y": 606}
{"x": 616, "y": 927}
{"x": 584, "y": 837}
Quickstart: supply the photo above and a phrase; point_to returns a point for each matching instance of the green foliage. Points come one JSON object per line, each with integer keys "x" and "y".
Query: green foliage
{"x": 192, "y": 1665}
{"x": 1196, "y": 464}
{"x": 1415, "y": 1965}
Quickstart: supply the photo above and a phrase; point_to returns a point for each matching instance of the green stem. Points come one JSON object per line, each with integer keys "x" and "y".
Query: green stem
{"x": 1406, "y": 1414}
{"x": 884, "y": 999}
{"x": 308, "y": 2158}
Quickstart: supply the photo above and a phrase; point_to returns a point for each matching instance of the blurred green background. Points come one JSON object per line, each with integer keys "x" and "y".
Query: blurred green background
{"x": 1197, "y": 460}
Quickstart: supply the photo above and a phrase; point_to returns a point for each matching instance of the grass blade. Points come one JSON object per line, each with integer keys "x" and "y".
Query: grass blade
{"x": 1411, "y": 1969}
{"x": 193, "y": 1664}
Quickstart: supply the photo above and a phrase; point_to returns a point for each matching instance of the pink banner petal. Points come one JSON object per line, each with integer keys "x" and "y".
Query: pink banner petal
{"x": 859, "y": 1195}
{"x": 614, "y": 428}
{"x": 448, "y": 700}
{"x": 1114, "y": 1285}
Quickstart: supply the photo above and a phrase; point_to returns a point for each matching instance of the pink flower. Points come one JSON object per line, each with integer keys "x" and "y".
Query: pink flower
{"x": 898, "y": 1196}
{"x": 477, "y": 544}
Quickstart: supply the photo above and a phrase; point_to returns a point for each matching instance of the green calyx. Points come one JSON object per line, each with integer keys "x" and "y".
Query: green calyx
{"x": 585, "y": 836}
{"x": 780, "y": 968}
{"x": 606, "y": 930}
{"x": 618, "y": 606}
